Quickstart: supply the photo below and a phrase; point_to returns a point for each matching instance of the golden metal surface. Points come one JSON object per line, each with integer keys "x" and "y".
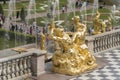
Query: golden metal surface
{"x": 97, "y": 23}
{"x": 73, "y": 57}
{"x": 110, "y": 23}
{"x": 42, "y": 41}
{"x": 104, "y": 26}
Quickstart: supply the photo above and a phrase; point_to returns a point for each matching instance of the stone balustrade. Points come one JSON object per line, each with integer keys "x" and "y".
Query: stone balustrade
{"x": 104, "y": 41}
{"x": 21, "y": 66}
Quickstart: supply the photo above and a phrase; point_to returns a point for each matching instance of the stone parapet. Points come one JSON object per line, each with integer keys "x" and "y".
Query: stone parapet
{"x": 104, "y": 41}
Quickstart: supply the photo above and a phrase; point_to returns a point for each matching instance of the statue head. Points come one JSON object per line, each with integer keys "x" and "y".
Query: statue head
{"x": 52, "y": 24}
{"x": 59, "y": 31}
{"x": 76, "y": 19}
{"x": 97, "y": 12}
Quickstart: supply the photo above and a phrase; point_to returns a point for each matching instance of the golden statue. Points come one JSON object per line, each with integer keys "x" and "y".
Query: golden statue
{"x": 97, "y": 24}
{"x": 74, "y": 57}
{"x": 110, "y": 23}
{"x": 51, "y": 27}
{"x": 42, "y": 41}
{"x": 62, "y": 38}
{"x": 88, "y": 59}
{"x": 104, "y": 26}
{"x": 51, "y": 32}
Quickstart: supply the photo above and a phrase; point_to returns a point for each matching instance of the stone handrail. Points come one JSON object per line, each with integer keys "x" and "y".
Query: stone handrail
{"x": 19, "y": 66}
{"x": 104, "y": 41}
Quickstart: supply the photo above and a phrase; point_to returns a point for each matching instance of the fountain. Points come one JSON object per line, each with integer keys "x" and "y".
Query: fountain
{"x": 114, "y": 13}
{"x": 113, "y": 10}
{"x": 11, "y": 12}
{"x": 83, "y": 12}
{"x": 53, "y": 10}
{"x": 95, "y": 7}
{"x": 71, "y": 6}
{"x": 32, "y": 9}
{"x": 10, "y": 19}
{"x": 57, "y": 4}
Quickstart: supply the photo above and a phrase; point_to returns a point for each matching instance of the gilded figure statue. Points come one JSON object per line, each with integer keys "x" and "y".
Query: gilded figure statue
{"x": 62, "y": 38}
{"x": 52, "y": 28}
{"x": 97, "y": 23}
{"x": 42, "y": 41}
{"x": 79, "y": 39}
{"x": 104, "y": 26}
{"x": 74, "y": 57}
{"x": 110, "y": 23}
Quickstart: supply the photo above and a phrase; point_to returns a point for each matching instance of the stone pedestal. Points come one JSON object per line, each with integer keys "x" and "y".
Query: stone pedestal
{"x": 38, "y": 64}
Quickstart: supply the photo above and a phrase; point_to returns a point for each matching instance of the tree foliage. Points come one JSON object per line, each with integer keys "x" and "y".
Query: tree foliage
{"x": 1, "y": 9}
{"x": 22, "y": 14}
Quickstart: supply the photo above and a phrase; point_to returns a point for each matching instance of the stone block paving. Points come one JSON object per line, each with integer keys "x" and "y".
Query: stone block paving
{"x": 110, "y": 72}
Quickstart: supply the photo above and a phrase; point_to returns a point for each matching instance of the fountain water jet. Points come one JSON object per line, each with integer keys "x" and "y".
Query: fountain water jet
{"x": 95, "y": 7}
{"x": 31, "y": 8}
{"x": 71, "y": 6}
{"x": 10, "y": 18}
{"x": 83, "y": 12}
{"x": 57, "y": 3}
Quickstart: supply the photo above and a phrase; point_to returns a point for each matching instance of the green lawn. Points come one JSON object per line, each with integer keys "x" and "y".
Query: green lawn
{"x": 69, "y": 16}
{"x": 25, "y": 4}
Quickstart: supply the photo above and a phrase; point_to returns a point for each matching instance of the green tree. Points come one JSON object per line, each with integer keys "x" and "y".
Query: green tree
{"x": 22, "y": 14}
{"x": 1, "y": 9}
{"x": 4, "y": 1}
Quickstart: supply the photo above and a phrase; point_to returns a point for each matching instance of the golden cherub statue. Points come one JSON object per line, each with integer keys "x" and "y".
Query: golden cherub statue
{"x": 51, "y": 27}
{"x": 62, "y": 38}
{"x": 51, "y": 33}
{"x": 74, "y": 57}
{"x": 42, "y": 41}
{"x": 110, "y": 23}
{"x": 97, "y": 24}
{"x": 104, "y": 26}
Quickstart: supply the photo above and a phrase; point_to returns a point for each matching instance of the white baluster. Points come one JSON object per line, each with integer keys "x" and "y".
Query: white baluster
{"x": 4, "y": 73}
{"x": 13, "y": 68}
{"x": 25, "y": 65}
{"x": 17, "y": 68}
{"x": 28, "y": 64}
{"x": 8, "y": 70}
{"x": 21, "y": 66}
{"x": 0, "y": 71}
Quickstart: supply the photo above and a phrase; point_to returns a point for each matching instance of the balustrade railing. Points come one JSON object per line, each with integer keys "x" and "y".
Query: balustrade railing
{"x": 104, "y": 41}
{"x": 20, "y": 66}
{"x": 15, "y": 66}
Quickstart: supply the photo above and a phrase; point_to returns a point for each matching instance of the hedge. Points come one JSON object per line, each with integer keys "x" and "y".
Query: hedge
{"x": 17, "y": 35}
